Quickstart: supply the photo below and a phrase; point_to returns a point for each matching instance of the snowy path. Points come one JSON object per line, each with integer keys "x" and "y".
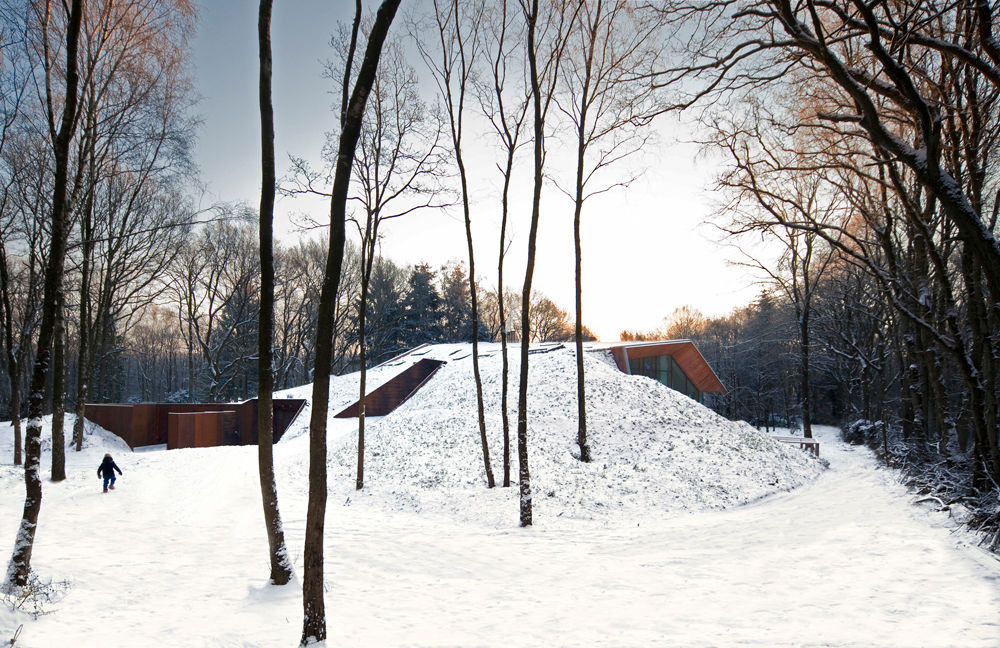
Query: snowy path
{"x": 845, "y": 562}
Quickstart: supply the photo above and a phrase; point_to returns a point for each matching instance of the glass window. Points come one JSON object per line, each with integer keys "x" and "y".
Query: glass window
{"x": 678, "y": 379}
{"x": 664, "y": 369}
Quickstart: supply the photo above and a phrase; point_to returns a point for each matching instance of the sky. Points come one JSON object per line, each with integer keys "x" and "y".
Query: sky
{"x": 647, "y": 248}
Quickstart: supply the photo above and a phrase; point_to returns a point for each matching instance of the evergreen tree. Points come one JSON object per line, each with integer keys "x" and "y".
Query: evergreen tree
{"x": 384, "y": 333}
{"x": 422, "y": 309}
{"x": 456, "y": 306}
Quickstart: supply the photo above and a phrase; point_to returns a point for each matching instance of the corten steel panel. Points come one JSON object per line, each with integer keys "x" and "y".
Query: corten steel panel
{"x": 393, "y": 393}
{"x": 284, "y": 411}
{"x": 197, "y": 429}
{"x": 151, "y": 423}
{"x": 208, "y": 427}
{"x": 165, "y": 409}
{"x": 144, "y": 425}
{"x": 618, "y": 353}
{"x": 230, "y": 429}
{"x": 180, "y": 433}
{"x": 687, "y": 357}
{"x": 206, "y": 430}
{"x": 247, "y": 426}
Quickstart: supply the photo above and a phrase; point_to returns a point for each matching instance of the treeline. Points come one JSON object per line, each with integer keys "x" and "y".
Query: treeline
{"x": 756, "y": 352}
{"x": 193, "y": 334}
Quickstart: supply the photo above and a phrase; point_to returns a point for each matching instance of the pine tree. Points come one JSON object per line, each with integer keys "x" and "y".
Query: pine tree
{"x": 456, "y": 307}
{"x": 384, "y": 333}
{"x": 422, "y": 309}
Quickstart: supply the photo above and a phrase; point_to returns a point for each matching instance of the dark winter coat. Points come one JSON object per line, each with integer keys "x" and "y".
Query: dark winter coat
{"x": 107, "y": 467}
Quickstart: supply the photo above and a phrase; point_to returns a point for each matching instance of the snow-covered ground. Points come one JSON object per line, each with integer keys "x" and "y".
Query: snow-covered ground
{"x": 687, "y": 530}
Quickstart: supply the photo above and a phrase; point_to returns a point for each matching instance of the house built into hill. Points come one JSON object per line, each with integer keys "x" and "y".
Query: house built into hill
{"x": 675, "y": 363}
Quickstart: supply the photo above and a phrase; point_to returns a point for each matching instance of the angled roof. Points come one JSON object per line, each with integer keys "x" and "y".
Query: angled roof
{"x": 684, "y": 353}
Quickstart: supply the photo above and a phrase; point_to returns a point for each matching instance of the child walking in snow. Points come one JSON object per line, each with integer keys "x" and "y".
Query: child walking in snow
{"x": 107, "y": 470}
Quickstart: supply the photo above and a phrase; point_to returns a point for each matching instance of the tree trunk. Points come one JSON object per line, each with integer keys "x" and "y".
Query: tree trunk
{"x": 190, "y": 351}
{"x": 490, "y": 483}
{"x": 59, "y": 390}
{"x": 281, "y": 568}
{"x": 581, "y": 391}
{"x": 504, "y": 416}
{"x": 367, "y": 261}
{"x": 804, "y": 370}
{"x": 524, "y": 474}
{"x": 804, "y": 343}
{"x": 20, "y": 562}
{"x": 84, "y": 356}
{"x": 13, "y": 365}
{"x": 983, "y": 357}
{"x": 313, "y": 605}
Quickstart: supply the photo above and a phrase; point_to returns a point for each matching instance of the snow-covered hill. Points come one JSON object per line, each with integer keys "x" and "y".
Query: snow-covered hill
{"x": 655, "y": 451}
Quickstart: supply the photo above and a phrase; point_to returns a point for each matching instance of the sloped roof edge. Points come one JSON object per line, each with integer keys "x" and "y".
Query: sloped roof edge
{"x": 684, "y": 353}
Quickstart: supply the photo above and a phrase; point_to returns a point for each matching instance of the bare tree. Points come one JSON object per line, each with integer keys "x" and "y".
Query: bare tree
{"x": 314, "y": 607}
{"x": 608, "y": 98}
{"x": 778, "y": 205}
{"x": 13, "y": 83}
{"x": 898, "y": 114}
{"x": 731, "y": 48}
{"x": 506, "y": 109}
{"x": 396, "y": 172}
{"x": 20, "y": 563}
{"x": 130, "y": 159}
{"x": 281, "y": 568}
{"x": 185, "y": 273}
{"x": 551, "y": 34}
{"x": 28, "y": 192}
{"x": 452, "y": 65}
{"x": 58, "y": 458}
{"x": 548, "y": 322}
{"x": 222, "y": 311}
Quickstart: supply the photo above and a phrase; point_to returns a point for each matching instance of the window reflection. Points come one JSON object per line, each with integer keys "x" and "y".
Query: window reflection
{"x": 666, "y": 371}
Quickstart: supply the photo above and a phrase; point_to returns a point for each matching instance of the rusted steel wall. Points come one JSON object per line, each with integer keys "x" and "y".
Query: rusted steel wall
{"x": 247, "y": 413}
{"x": 199, "y": 429}
{"x": 150, "y": 423}
{"x": 393, "y": 393}
{"x": 180, "y": 430}
{"x": 144, "y": 430}
{"x": 618, "y": 353}
{"x": 283, "y": 412}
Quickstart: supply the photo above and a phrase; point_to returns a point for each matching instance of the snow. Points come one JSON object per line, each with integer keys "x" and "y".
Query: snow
{"x": 654, "y": 449}
{"x": 686, "y": 530}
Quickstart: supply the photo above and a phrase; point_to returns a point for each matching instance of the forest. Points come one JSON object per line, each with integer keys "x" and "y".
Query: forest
{"x": 859, "y": 179}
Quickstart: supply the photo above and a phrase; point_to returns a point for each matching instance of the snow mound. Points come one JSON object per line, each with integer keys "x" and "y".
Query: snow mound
{"x": 654, "y": 450}
{"x": 94, "y": 436}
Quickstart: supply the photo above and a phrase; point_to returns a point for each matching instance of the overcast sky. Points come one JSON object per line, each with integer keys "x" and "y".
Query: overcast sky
{"x": 647, "y": 248}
